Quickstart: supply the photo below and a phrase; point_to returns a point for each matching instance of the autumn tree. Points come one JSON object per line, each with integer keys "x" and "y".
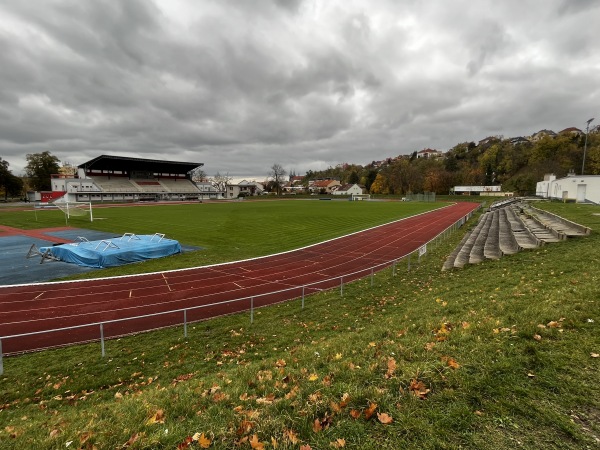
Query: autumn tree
{"x": 379, "y": 185}
{"x": 10, "y": 185}
{"x": 276, "y": 176}
{"x": 40, "y": 168}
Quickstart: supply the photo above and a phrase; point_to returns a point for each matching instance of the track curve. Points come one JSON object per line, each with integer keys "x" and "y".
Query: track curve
{"x": 203, "y": 292}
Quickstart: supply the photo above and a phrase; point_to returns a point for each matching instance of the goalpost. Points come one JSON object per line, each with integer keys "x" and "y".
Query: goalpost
{"x": 74, "y": 208}
{"x": 359, "y": 197}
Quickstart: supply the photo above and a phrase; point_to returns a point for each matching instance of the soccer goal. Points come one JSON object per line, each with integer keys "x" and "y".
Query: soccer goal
{"x": 75, "y": 209}
{"x": 359, "y": 197}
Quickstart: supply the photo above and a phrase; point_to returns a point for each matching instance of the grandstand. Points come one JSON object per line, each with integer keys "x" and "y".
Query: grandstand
{"x": 117, "y": 178}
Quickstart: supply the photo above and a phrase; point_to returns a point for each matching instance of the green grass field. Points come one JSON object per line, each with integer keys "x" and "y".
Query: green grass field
{"x": 500, "y": 355}
{"x": 227, "y": 231}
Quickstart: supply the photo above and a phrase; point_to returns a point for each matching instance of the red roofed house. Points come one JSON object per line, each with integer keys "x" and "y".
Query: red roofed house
{"x": 323, "y": 186}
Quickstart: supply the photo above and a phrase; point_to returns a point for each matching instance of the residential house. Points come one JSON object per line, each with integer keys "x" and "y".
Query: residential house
{"x": 208, "y": 191}
{"x": 349, "y": 189}
{"x": 542, "y": 134}
{"x": 518, "y": 140}
{"x": 429, "y": 153}
{"x": 323, "y": 186}
{"x": 571, "y": 131}
{"x": 244, "y": 189}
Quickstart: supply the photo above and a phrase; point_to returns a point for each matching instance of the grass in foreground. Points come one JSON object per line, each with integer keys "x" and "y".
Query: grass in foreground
{"x": 499, "y": 355}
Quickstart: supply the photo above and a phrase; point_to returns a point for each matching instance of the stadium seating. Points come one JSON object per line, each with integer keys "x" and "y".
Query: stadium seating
{"x": 507, "y": 228}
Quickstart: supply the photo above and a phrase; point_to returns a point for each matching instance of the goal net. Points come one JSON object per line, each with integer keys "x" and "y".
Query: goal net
{"x": 359, "y": 197}
{"x": 74, "y": 209}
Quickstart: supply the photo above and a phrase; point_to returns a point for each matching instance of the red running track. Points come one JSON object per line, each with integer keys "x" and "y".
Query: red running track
{"x": 204, "y": 292}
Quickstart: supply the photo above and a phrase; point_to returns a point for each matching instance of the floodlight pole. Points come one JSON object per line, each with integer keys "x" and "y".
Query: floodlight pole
{"x": 587, "y": 130}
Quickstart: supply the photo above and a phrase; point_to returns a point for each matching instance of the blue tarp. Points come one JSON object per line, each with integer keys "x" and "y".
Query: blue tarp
{"x": 114, "y": 252}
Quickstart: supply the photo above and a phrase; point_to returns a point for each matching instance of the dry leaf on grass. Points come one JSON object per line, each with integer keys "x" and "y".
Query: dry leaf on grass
{"x": 384, "y": 418}
{"x": 370, "y": 410}
{"x": 256, "y": 444}
{"x": 157, "y": 417}
{"x": 338, "y": 443}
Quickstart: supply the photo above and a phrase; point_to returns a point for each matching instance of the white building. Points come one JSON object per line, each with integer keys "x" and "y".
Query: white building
{"x": 348, "y": 189}
{"x": 577, "y": 188}
{"x": 244, "y": 189}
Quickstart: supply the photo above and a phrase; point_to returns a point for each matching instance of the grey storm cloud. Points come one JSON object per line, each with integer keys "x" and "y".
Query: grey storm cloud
{"x": 306, "y": 84}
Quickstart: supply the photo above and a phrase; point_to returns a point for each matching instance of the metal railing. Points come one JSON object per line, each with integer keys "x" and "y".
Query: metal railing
{"x": 301, "y": 293}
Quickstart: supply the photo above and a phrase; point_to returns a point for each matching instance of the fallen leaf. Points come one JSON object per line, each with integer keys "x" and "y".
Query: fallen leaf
{"x": 203, "y": 441}
{"x": 54, "y": 433}
{"x": 291, "y": 436}
{"x": 280, "y": 363}
{"x": 305, "y": 447}
{"x": 338, "y": 443}
{"x": 157, "y": 417}
{"x": 317, "y": 426}
{"x": 256, "y": 444}
{"x": 354, "y": 413}
{"x": 345, "y": 400}
{"x": 451, "y": 362}
{"x": 245, "y": 427}
{"x": 553, "y": 324}
{"x": 594, "y": 355}
{"x": 370, "y": 410}
{"x": 274, "y": 442}
{"x": 419, "y": 389}
{"x": 186, "y": 443}
{"x": 85, "y": 436}
{"x": 384, "y": 418}
{"x": 391, "y": 368}
{"x": 133, "y": 439}
{"x": 313, "y": 377}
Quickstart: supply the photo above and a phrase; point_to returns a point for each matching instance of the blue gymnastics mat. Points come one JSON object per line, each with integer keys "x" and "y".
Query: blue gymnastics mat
{"x": 113, "y": 252}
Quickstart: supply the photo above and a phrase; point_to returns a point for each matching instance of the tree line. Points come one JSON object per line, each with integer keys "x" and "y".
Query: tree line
{"x": 516, "y": 166}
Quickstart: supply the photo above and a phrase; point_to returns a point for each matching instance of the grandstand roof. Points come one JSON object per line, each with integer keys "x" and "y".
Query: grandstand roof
{"x": 125, "y": 164}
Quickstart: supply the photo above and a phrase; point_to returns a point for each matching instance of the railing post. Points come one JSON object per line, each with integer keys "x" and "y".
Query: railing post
{"x": 102, "y": 338}
{"x": 409, "y": 262}
{"x": 394, "y": 269}
{"x": 372, "y": 271}
{"x": 302, "y": 297}
{"x": 251, "y": 309}
{"x": 185, "y": 323}
{"x": 1, "y": 359}
{"x": 342, "y": 286}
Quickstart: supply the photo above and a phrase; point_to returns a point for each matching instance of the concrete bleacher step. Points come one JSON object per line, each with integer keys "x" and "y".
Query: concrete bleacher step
{"x": 563, "y": 228}
{"x": 540, "y": 231}
{"x": 509, "y": 228}
{"x": 491, "y": 248}
{"x": 524, "y": 237}
{"x": 463, "y": 255}
{"x": 450, "y": 260}
{"x": 507, "y": 240}
{"x": 476, "y": 255}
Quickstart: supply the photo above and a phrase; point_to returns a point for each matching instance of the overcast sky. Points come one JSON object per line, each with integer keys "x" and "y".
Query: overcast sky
{"x": 242, "y": 84}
